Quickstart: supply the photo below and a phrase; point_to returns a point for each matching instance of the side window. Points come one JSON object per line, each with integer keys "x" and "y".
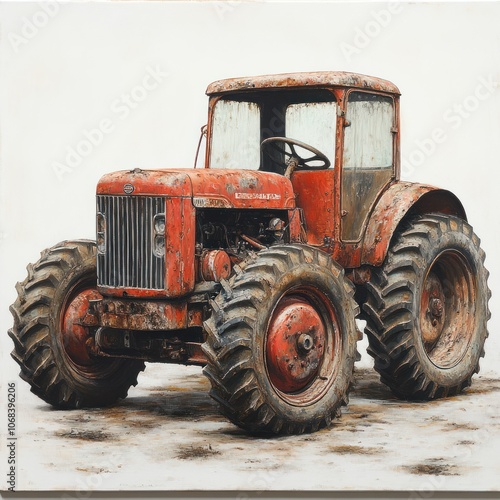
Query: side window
{"x": 368, "y": 138}
{"x": 367, "y": 157}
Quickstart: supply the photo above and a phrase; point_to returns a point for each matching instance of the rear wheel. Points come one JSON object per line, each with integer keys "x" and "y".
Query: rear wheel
{"x": 52, "y": 344}
{"x": 281, "y": 342}
{"x": 427, "y": 309}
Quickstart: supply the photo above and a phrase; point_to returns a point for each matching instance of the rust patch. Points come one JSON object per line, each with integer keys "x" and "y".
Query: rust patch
{"x": 309, "y": 79}
{"x": 393, "y": 206}
{"x": 311, "y": 186}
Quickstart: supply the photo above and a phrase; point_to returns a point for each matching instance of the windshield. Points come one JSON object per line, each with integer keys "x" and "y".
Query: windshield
{"x": 241, "y": 123}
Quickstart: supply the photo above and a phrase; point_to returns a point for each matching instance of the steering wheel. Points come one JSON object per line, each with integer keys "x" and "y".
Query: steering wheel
{"x": 279, "y": 143}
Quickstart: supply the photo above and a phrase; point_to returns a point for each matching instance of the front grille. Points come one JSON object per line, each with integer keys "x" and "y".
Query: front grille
{"x": 128, "y": 260}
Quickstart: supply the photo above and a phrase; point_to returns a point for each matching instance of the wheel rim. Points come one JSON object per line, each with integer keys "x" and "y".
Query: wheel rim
{"x": 447, "y": 309}
{"x": 75, "y": 338}
{"x": 302, "y": 345}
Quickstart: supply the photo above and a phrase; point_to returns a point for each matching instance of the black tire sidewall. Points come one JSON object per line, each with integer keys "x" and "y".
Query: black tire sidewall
{"x": 103, "y": 386}
{"x": 431, "y": 249}
{"x": 332, "y": 288}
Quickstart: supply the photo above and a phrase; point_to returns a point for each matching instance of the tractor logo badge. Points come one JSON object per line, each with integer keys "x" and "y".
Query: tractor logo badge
{"x": 128, "y": 189}
{"x": 257, "y": 196}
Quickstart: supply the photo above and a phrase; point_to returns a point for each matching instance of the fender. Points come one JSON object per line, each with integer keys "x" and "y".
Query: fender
{"x": 399, "y": 200}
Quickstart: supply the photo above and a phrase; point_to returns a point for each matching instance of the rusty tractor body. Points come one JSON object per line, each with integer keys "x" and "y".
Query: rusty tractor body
{"x": 256, "y": 266}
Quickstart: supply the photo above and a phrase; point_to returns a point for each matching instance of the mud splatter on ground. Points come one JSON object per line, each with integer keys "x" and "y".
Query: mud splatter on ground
{"x": 454, "y": 426}
{"x": 488, "y": 385}
{"x": 92, "y": 470}
{"x": 356, "y": 450}
{"x": 163, "y": 432}
{"x": 85, "y": 435}
{"x": 195, "y": 452}
{"x": 433, "y": 467}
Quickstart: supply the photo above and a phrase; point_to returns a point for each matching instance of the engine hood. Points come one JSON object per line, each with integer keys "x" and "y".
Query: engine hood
{"x": 206, "y": 187}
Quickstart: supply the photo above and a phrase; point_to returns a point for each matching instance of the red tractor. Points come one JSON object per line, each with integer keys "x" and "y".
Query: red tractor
{"x": 257, "y": 266}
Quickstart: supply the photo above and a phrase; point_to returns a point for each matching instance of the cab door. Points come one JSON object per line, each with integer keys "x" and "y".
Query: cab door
{"x": 368, "y": 158}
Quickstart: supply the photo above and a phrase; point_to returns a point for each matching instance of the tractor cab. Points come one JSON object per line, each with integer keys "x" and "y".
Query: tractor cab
{"x": 333, "y": 134}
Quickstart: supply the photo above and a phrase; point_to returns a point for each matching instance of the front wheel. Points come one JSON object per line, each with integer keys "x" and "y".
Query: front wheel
{"x": 281, "y": 342}
{"x": 427, "y": 309}
{"x": 51, "y": 343}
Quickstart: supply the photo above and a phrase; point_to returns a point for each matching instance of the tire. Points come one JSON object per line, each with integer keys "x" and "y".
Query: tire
{"x": 427, "y": 309}
{"x": 271, "y": 374}
{"x": 49, "y": 345}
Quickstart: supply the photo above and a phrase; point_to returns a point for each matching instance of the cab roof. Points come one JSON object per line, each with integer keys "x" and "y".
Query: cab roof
{"x": 297, "y": 80}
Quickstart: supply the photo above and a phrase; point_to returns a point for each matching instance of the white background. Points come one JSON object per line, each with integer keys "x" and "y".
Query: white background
{"x": 65, "y": 69}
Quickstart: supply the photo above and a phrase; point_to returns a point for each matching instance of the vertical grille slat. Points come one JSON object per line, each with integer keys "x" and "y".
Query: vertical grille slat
{"x": 126, "y": 267}
{"x": 129, "y": 260}
{"x": 151, "y": 256}
{"x": 138, "y": 243}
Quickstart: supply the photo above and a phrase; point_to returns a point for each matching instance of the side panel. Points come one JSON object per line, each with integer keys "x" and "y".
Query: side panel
{"x": 395, "y": 203}
{"x": 315, "y": 195}
{"x": 295, "y": 226}
{"x": 179, "y": 247}
{"x": 241, "y": 189}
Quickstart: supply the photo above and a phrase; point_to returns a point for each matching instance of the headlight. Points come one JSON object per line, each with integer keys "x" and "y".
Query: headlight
{"x": 159, "y": 235}
{"x": 101, "y": 233}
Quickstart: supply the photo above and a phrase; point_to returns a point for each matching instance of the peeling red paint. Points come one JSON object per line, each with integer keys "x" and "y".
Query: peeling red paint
{"x": 310, "y": 79}
{"x": 228, "y": 188}
{"x": 393, "y": 206}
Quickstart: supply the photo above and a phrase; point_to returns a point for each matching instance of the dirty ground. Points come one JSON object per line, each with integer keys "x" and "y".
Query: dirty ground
{"x": 169, "y": 435}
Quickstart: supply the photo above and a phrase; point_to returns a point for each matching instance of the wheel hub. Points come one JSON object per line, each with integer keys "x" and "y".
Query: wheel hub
{"x": 74, "y": 334}
{"x": 295, "y": 344}
{"x": 305, "y": 343}
{"x": 436, "y": 308}
{"x": 432, "y": 310}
